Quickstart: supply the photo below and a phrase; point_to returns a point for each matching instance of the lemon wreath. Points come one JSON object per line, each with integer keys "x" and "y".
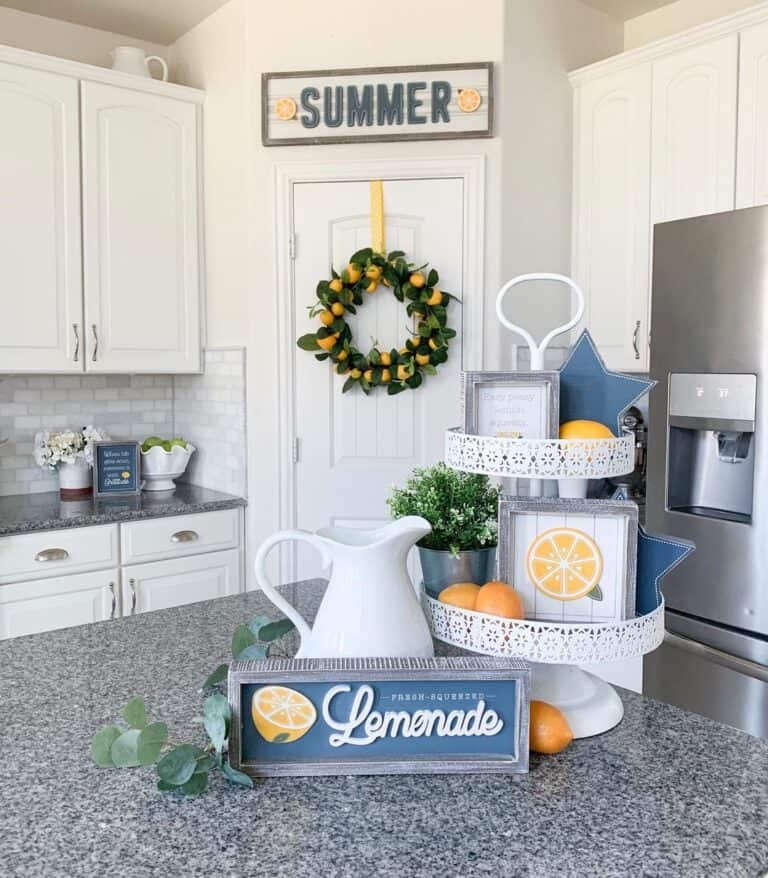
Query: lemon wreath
{"x": 400, "y": 368}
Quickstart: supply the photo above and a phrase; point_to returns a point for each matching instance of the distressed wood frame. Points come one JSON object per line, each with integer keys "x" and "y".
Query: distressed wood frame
{"x": 383, "y": 669}
{"x": 471, "y": 381}
{"x": 106, "y": 443}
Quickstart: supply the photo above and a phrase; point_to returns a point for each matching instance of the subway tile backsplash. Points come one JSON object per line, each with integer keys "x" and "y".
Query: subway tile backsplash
{"x": 130, "y": 407}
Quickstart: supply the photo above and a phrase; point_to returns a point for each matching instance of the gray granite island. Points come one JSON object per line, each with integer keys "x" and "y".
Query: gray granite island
{"x": 666, "y": 793}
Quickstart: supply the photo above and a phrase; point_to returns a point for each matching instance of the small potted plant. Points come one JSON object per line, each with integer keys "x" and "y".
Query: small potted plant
{"x": 70, "y": 453}
{"x": 463, "y": 511}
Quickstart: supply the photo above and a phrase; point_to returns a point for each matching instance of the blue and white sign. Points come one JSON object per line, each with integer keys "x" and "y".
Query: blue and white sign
{"x": 116, "y": 468}
{"x": 378, "y": 716}
{"x": 435, "y": 102}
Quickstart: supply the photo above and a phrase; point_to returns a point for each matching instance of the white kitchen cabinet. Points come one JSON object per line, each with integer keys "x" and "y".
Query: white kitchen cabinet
{"x": 752, "y": 155}
{"x": 40, "y": 265}
{"x": 611, "y": 241}
{"x": 163, "y": 584}
{"x": 140, "y": 227}
{"x": 58, "y": 602}
{"x": 693, "y": 140}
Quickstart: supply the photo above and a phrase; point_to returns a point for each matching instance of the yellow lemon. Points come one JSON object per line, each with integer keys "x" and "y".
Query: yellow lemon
{"x": 328, "y": 342}
{"x": 337, "y": 308}
{"x": 368, "y": 375}
{"x": 499, "y": 599}
{"x": 342, "y": 356}
{"x": 462, "y": 594}
{"x": 285, "y": 109}
{"x": 326, "y": 318}
{"x": 371, "y": 288}
{"x": 469, "y": 100}
{"x": 435, "y": 299}
{"x": 434, "y": 344}
{"x": 355, "y": 373}
{"x": 417, "y": 280}
{"x": 353, "y": 272}
{"x": 564, "y": 563}
{"x": 403, "y": 373}
{"x": 282, "y": 715}
{"x": 336, "y": 285}
{"x": 549, "y": 729}
{"x": 422, "y": 359}
{"x": 386, "y": 359}
{"x": 386, "y": 376}
{"x": 373, "y": 272}
{"x": 584, "y": 430}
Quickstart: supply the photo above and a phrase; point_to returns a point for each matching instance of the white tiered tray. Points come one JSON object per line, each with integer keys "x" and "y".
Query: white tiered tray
{"x": 590, "y": 705}
{"x": 540, "y": 458}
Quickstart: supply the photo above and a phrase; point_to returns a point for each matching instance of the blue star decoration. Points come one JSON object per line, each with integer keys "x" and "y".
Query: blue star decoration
{"x": 656, "y": 556}
{"x": 590, "y": 391}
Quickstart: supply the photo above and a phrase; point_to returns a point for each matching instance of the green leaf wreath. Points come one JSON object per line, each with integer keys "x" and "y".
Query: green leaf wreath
{"x": 398, "y": 369}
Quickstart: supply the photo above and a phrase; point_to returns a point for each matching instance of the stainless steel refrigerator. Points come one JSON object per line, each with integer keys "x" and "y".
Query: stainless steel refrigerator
{"x": 708, "y": 463}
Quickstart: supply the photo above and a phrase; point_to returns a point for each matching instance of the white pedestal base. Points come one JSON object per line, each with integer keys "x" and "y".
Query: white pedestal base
{"x": 590, "y": 705}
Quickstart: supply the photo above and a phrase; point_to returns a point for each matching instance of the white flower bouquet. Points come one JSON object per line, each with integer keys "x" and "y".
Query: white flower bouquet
{"x": 66, "y": 446}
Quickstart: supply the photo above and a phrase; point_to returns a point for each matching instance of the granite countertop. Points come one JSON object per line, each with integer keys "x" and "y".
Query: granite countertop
{"x": 22, "y": 513}
{"x": 666, "y": 793}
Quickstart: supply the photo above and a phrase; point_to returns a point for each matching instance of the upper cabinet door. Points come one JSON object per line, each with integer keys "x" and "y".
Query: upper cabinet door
{"x": 40, "y": 267}
{"x": 752, "y": 165}
{"x": 612, "y": 212}
{"x": 694, "y": 131}
{"x": 140, "y": 219}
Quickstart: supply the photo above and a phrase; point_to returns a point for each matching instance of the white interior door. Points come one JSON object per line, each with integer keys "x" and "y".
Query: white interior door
{"x": 352, "y": 448}
{"x": 41, "y": 296}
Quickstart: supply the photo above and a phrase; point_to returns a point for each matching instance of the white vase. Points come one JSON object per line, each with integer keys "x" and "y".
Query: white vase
{"x": 130, "y": 59}
{"x": 75, "y": 479}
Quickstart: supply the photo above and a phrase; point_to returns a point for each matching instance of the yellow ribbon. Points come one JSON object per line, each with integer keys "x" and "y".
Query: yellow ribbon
{"x": 377, "y": 215}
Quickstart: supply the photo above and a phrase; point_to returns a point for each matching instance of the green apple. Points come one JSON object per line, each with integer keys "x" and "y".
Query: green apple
{"x": 180, "y": 442}
{"x": 151, "y": 442}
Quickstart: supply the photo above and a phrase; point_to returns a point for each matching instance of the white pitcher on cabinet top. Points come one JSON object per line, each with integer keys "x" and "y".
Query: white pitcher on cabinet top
{"x": 370, "y": 608}
{"x": 129, "y": 59}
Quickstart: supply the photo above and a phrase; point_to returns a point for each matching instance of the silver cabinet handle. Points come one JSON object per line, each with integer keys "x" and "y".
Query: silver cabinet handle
{"x": 114, "y": 600}
{"x": 132, "y": 586}
{"x": 185, "y": 536}
{"x": 634, "y": 340}
{"x": 52, "y": 555}
{"x": 76, "y": 330}
{"x": 95, "y": 342}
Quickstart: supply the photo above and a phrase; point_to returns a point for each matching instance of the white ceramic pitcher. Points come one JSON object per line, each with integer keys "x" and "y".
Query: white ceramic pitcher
{"x": 370, "y": 607}
{"x": 129, "y": 59}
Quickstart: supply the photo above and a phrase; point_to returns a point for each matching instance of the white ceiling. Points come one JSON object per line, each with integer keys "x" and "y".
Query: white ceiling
{"x": 625, "y": 9}
{"x": 157, "y": 21}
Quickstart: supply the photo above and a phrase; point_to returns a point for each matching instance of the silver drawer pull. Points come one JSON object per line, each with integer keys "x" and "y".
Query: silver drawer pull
{"x": 132, "y": 586}
{"x": 114, "y": 600}
{"x": 52, "y": 555}
{"x": 185, "y": 536}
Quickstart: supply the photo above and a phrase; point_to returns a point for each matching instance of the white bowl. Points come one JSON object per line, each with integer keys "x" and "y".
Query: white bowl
{"x": 161, "y": 468}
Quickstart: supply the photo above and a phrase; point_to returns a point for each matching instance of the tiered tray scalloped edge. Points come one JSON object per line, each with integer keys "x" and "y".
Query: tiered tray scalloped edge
{"x": 540, "y": 458}
{"x": 545, "y": 642}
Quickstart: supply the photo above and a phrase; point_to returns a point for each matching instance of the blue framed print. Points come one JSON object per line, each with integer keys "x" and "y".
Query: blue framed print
{"x": 379, "y": 716}
{"x": 116, "y": 468}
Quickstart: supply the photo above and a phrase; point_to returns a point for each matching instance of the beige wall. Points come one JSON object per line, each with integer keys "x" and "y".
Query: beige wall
{"x": 678, "y": 17}
{"x": 49, "y": 36}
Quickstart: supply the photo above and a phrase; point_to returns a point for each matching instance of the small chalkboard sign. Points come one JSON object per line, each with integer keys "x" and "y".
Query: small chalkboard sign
{"x": 379, "y": 716}
{"x": 116, "y": 468}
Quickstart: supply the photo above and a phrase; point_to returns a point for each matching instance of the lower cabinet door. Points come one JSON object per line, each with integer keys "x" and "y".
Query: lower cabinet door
{"x": 162, "y": 584}
{"x": 59, "y": 602}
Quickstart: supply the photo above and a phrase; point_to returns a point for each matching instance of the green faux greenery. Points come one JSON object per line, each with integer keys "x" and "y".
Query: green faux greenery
{"x": 461, "y": 507}
{"x": 134, "y": 741}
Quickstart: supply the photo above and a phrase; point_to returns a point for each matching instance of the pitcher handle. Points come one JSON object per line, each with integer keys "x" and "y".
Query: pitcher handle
{"x": 161, "y": 62}
{"x": 270, "y": 591}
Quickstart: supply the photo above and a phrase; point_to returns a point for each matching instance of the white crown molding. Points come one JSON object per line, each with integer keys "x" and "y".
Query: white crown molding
{"x": 92, "y": 73}
{"x": 701, "y": 33}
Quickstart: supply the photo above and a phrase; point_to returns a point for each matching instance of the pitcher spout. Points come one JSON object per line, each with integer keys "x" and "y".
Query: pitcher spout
{"x": 412, "y": 527}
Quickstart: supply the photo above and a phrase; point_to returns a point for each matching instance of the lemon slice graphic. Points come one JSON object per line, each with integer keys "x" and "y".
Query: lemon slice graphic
{"x": 564, "y": 563}
{"x": 285, "y": 109}
{"x": 469, "y": 100}
{"x": 282, "y": 715}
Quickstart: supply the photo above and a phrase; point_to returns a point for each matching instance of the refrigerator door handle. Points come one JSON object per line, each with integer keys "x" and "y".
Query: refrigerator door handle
{"x": 709, "y": 653}
{"x": 634, "y": 340}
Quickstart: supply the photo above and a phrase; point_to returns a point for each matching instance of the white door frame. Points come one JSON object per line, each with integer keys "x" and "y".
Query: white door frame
{"x": 470, "y": 169}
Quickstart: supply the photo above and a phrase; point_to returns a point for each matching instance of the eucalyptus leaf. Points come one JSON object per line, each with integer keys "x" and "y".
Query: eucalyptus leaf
{"x": 178, "y": 766}
{"x": 241, "y": 639}
{"x": 256, "y": 623}
{"x": 124, "y": 750}
{"x": 217, "y": 705}
{"x": 166, "y": 787}
{"x": 206, "y": 763}
{"x": 195, "y": 785}
{"x": 275, "y": 630}
{"x": 150, "y": 743}
{"x": 596, "y": 594}
{"x": 135, "y": 713}
{"x": 218, "y": 676}
{"x": 216, "y": 727}
{"x": 254, "y": 652}
{"x": 235, "y": 776}
{"x": 101, "y": 746}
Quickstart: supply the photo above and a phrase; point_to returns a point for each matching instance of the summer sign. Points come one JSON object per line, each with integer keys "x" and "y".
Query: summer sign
{"x": 375, "y": 716}
{"x": 437, "y": 102}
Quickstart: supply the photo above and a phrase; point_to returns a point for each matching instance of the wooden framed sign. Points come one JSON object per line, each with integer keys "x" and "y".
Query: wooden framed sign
{"x": 513, "y": 405}
{"x": 433, "y": 102}
{"x": 379, "y": 716}
{"x": 116, "y": 468}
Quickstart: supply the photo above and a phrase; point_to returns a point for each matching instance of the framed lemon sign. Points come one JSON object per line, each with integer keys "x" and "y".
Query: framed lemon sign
{"x": 571, "y": 560}
{"x": 379, "y": 716}
{"x": 116, "y": 468}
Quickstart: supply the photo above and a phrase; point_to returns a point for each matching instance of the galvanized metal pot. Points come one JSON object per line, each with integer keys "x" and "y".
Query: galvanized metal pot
{"x": 440, "y": 568}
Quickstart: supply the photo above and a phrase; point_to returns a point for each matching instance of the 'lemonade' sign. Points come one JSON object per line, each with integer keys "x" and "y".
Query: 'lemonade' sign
{"x": 435, "y": 102}
{"x": 372, "y": 716}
